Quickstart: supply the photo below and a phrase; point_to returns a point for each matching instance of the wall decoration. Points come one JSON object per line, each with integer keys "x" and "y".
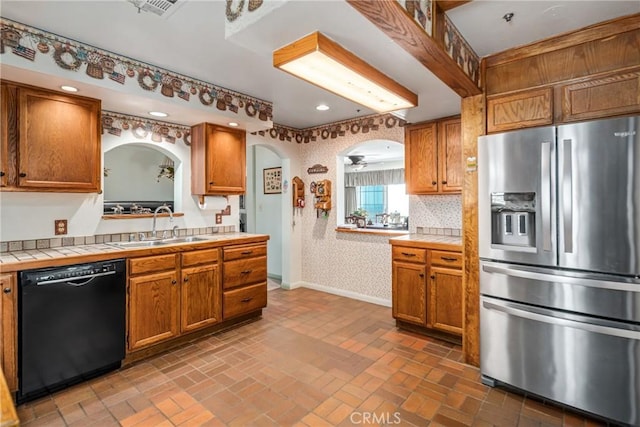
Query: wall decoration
{"x": 317, "y": 169}
{"x": 422, "y": 11}
{"x": 459, "y": 50}
{"x": 140, "y": 127}
{"x": 226, "y": 211}
{"x": 27, "y": 42}
{"x": 332, "y": 130}
{"x": 272, "y": 178}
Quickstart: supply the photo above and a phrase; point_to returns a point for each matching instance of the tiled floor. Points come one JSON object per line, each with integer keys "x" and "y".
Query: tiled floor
{"x": 314, "y": 359}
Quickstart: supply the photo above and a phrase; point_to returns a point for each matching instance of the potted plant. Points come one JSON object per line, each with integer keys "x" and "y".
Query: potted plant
{"x": 360, "y": 216}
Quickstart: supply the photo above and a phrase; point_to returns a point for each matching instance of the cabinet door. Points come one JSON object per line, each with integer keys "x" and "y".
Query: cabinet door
{"x": 218, "y": 160}
{"x": 200, "y": 297}
{"x": 8, "y": 333}
{"x": 445, "y": 300}
{"x": 59, "y": 142}
{"x": 450, "y": 156}
{"x": 520, "y": 110}
{"x": 153, "y": 309}
{"x": 421, "y": 159}
{"x": 9, "y": 135}
{"x": 409, "y": 286}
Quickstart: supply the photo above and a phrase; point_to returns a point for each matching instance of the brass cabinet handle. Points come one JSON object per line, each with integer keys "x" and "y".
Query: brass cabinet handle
{"x": 433, "y": 183}
{"x": 246, "y": 299}
{"x": 444, "y": 182}
{"x": 433, "y": 276}
{"x": 246, "y": 252}
{"x": 446, "y": 258}
{"x": 246, "y": 271}
{"x": 22, "y": 174}
{"x": 7, "y": 290}
{"x": 421, "y": 275}
{"x": 408, "y": 254}
{"x": 186, "y": 279}
{"x": 173, "y": 282}
{"x": 1, "y": 173}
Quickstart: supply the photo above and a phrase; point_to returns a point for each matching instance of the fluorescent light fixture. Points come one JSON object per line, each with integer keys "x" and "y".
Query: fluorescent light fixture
{"x": 233, "y": 124}
{"x": 322, "y": 107}
{"x": 321, "y": 61}
{"x": 69, "y": 88}
{"x": 157, "y": 114}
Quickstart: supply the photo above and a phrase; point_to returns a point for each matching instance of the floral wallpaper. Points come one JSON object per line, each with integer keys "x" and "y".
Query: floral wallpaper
{"x": 27, "y": 42}
{"x": 459, "y": 50}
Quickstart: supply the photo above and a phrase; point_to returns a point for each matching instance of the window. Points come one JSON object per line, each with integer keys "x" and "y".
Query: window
{"x": 382, "y": 199}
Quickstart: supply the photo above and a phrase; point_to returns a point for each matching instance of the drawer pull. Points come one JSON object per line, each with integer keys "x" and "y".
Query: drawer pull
{"x": 246, "y": 271}
{"x": 446, "y": 258}
{"x": 246, "y": 299}
{"x": 421, "y": 274}
{"x": 246, "y": 252}
{"x": 408, "y": 254}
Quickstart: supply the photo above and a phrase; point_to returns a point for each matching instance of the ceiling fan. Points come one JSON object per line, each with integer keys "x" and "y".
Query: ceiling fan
{"x": 357, "y": 163}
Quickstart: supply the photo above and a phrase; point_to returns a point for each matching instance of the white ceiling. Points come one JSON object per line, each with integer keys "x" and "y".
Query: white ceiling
{"x": 191, "y": 42}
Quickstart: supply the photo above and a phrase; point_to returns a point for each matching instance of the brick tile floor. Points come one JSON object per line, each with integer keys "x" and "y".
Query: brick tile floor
{"x": 314, "y": 359}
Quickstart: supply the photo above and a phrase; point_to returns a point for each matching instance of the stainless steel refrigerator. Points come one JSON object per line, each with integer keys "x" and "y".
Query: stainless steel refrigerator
{"x": 559, "y": 233}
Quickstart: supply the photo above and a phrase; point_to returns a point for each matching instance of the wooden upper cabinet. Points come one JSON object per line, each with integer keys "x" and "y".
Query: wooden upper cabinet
{"x": 603, "y": 96}
{"x": 433, "y": 157}
{"x": 520, "y": 110}
{"x": 218, "y": 160}
{"x": 421, "y": 158}
{"x": 50, "y": 141}
{"x": 450, "y": 155}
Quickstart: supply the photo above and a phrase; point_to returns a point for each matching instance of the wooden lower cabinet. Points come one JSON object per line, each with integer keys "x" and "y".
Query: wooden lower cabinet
{"x": 427, "y": 289}
{"x": 154, "y": 309}
{"x": 174, "y": 294}
{"x": 409, "y": 292}
{"x": 8, "y": 329}
{"x": 445, "y": 300}
{"x": 200, "y": 296}
{"x": 244, "y": 280}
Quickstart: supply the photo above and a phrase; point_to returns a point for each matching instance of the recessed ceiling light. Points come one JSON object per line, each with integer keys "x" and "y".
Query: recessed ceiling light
{"x": 322, "y": 107}
{"x": 233, "y": 124}
{"x": 157, "y": 114}
{"x": 69, "y": 88}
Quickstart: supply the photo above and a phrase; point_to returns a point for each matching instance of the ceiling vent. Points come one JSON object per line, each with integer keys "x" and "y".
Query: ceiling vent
{"x": 164, "y": 8}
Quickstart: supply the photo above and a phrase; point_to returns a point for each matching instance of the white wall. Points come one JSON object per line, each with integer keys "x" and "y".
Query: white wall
{"x": 29, "y": 215}
{"x": 268, "y": 208}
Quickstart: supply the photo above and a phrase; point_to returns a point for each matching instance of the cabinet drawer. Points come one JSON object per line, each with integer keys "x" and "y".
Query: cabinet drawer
{"x": 242, "y": 252}
{"x": 206, "y": 256}
{"x": 446, "y": 259}
{"x": 152, "y": 263}
{"x": 244, "y": 300}
{"x": 244, "y": 272}
{"x": 409, "y": 254}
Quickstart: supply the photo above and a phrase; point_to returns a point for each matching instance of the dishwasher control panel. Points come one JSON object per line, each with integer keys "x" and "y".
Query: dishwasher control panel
{"x": 58, "y": 274}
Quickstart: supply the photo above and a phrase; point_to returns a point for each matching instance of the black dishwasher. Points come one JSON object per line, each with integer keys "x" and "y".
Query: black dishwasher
{"x": 71, "y": 325}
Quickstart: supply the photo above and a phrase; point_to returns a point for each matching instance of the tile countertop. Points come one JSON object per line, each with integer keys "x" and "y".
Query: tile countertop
{"x": 429, "y": 241}
{"x": 66, "y": 255}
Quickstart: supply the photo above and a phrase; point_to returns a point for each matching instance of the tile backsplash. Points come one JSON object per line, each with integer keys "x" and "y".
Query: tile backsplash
{"x": 439, "y": 231}
{"x": 25, "y": 245}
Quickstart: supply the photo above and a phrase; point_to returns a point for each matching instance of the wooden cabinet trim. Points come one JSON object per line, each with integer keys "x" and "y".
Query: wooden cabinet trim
{"x": 521, "y": 109}
{"x": 608, "y": 95}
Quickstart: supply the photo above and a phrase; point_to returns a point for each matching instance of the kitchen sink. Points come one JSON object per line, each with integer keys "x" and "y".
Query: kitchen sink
{"x": 160, "y": 242}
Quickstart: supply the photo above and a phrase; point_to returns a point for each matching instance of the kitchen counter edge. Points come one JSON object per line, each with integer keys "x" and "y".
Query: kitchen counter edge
{"x": 67, "y": 255}
{"x": 429, "y": 241}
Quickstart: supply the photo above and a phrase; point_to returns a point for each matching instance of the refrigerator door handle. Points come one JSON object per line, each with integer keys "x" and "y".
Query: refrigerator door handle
{"x": 553, "y": 317}
{"x": 592, "y": 281}
{"x": 567, "y": 196}
{"x": 545, "y": 194}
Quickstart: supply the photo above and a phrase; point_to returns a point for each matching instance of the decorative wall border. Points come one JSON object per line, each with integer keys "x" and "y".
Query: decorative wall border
{"x": 27, "y": 42}
{"x": 459, "y": 50}
{"x": 332, "y": 130}
{"x": 140, "y": 127}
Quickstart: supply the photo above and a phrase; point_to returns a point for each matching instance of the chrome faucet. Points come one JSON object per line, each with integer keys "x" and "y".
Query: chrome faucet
{"x": 155, "y": 215}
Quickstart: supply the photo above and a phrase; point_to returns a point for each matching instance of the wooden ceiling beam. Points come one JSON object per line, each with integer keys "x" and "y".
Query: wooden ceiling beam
{"x": 392, "y": 19}
{"x": 450, "y": 4}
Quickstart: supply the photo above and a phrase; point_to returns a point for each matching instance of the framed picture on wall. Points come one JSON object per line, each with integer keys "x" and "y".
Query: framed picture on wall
{"x": 272, "y": 178}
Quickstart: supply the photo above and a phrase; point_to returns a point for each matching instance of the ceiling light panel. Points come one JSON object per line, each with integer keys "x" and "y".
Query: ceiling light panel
{"x": 321, "y": 61}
